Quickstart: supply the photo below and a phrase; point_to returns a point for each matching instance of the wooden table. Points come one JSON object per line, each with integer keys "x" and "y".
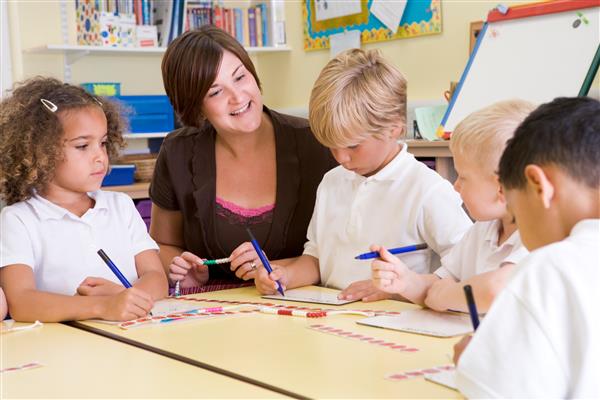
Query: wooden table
{"x": 283, "y": 352}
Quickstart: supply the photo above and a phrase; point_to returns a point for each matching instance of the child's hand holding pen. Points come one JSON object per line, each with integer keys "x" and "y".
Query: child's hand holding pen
{"x": 129, "y": 304}
{"x": 389, "y": 273}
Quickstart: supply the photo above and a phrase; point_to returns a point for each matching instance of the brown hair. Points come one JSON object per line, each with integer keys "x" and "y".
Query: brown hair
{"x": 31, "y": 134}
{"x": 190, "y": 66}
{"x": 358, "y": 94}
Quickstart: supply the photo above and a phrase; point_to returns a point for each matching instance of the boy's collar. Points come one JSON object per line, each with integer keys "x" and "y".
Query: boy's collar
{"x": 389, "y": 172}
{"x": 586, "y": 225}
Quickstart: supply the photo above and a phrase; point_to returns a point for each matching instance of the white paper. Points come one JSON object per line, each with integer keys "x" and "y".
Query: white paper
{"x": 307, "y": 295}
{"x": 327, "y": 9}
{"x": 389, "y": 12}
{"x": 444, "y": 378}
{"x": 425, "y": 322}
{"x": 339, "y": 42}
{"x": 169, "y": 306}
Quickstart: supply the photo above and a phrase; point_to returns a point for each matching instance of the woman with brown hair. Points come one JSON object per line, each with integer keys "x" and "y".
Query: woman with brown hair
{"x": 234, "y": 165}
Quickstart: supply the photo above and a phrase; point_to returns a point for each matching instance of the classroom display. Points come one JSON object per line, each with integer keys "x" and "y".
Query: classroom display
{"x": 376, "y": 20}
{"x": 534, "y": 52}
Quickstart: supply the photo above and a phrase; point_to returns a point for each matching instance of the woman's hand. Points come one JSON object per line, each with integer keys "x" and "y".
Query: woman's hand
{"x": 266, "y": 283}
{"x": 244, "y": 261}
{"x": 188, "y": 270}
{"x": 94, "y": 286}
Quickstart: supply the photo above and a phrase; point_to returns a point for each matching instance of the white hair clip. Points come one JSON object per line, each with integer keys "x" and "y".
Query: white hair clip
{"x": 49, "y": 105}
{"x": 98, "y": 101}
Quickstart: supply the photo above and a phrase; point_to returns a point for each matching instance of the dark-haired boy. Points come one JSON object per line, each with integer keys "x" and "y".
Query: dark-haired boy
{"x": 540, "y": 337}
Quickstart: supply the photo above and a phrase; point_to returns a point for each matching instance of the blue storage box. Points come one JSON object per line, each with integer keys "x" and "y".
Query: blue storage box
{"x": 149, "y": 113}
{"x": 119, "y": 175}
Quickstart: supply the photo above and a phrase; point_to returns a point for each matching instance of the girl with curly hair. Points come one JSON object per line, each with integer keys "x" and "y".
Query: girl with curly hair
{"x": 55, "y": 144}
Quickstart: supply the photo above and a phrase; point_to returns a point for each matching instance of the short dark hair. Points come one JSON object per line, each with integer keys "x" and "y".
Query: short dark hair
{"x": 565, "y": 133}
{"x": 190, "y": 66}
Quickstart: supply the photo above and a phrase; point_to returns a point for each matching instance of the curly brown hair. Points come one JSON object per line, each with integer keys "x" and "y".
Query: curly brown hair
{"x": 30, "y": 133}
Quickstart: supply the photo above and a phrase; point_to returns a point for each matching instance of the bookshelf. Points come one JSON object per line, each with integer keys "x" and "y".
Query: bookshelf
{"x": 73, "y": 53}
{"x": 440, "y": 151}
{"x": 136, "y": 191}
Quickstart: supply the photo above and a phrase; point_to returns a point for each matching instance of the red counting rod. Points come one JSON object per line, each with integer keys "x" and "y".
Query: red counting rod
{"x": 294, "y": 313}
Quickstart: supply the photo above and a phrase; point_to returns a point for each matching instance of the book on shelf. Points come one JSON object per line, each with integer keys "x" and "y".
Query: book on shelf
{"x": 116, "y": 22}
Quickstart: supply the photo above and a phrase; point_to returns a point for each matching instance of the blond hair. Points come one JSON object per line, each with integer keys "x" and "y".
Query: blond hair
{"x": 356, "y": 95}
{"x": 481, "y": 137}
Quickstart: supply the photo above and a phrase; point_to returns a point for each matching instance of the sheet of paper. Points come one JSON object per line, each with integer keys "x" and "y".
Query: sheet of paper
{"x": 445, "y": 378}
{"x": 169, "y": 306}
{"x": 429, "y": 119}
{"x": 307, "y": 295}
{"x": 327, "y": 9}
{"x": 161, "y": 308}
{"x": 389, "y": 12}
{"x": 425, "y": 322}
{"x": 339, "y": 42}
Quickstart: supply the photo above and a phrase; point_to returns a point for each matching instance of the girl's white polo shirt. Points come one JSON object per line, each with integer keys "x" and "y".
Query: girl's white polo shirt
{"x": 478, "y": 252}
{"x": 61, "y": 248}
{"x": 404, "y": 203}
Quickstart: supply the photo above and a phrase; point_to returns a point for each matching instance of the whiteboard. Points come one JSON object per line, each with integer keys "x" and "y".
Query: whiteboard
{"x": 534, "y": 58}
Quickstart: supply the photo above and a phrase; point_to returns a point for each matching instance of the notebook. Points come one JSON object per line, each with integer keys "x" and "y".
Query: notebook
{"x": 311, "y": 295}
{"x": 424, "y": 322}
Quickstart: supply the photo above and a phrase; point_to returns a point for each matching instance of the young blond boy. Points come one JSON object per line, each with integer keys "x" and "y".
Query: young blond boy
{"x": 487, "y": 254}
{"x": 379, "y": 193}
{"x": 540, "y": 338}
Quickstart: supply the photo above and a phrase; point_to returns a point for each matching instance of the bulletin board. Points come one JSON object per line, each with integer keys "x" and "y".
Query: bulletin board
{"x": 420, "y": 17}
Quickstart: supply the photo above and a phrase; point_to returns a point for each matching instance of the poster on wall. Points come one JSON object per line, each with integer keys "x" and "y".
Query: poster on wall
{"x": 376, "y": 20}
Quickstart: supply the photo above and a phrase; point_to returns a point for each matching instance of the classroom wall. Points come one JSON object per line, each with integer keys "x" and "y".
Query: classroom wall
{"x": 429, "y": 62}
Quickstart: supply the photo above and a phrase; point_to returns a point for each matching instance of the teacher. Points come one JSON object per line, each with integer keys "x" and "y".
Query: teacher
{"x": 235, "y": 164}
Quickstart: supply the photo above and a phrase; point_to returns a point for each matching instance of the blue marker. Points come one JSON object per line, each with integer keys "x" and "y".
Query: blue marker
{"x": 263, "y": 259}
{"x": 114, "y": 268}
{"x": 397, "y": 250}
{"x": 472, "y": 306}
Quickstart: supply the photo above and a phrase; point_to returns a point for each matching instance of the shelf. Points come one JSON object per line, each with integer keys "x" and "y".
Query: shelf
{"x": 152, "y": 135}
{"x": 137, "y": 190}
{"x": 74, "y": 52}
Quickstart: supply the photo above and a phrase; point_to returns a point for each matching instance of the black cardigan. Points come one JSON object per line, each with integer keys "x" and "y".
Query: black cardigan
{"x": 185, "y": 180}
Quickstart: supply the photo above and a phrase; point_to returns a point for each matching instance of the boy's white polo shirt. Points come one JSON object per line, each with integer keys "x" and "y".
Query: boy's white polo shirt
{"x": 61, "y": 247}
{"x": 540, "y": 336}
{"x": 405, "y": 203}
{"x": 478, "y": 252}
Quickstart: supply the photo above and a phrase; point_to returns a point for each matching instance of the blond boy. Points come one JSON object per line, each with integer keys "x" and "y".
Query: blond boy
{"x": 379, "y": 193}
{"x": 540, "y": 338}
{"x": 487, "y": 254}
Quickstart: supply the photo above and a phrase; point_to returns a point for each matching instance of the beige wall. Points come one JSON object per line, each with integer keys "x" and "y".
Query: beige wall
{"x": 429, "y": 62}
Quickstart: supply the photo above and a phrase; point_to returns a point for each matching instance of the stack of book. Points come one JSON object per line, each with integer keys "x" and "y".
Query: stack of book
{"x": 115, "y": 23}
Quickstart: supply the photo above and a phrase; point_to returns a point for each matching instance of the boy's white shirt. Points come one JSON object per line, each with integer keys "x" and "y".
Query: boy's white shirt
{"x": 540, "y": 337}
{"x": 405, "y": 203}
{"x": 478, "y": 252}
{"x": 61, "y": 247}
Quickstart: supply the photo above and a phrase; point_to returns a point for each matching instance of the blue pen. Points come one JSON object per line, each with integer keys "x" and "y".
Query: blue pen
{"x": 397, "y": 250}
{"x": 472, "y": 306}
{"x": 263, "y": 259}
{"x": 114, "y": 268}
